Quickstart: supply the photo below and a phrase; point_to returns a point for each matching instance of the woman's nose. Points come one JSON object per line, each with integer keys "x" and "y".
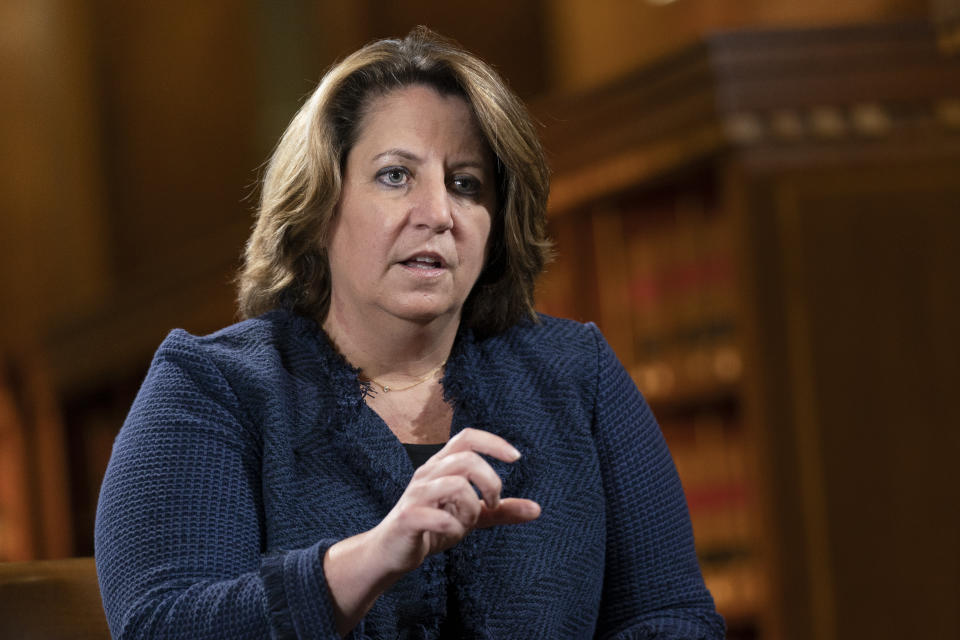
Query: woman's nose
{"x": 432, "y": 209}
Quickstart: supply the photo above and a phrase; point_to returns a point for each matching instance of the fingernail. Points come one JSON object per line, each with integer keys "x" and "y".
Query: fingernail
{"x": 515, "y": 453}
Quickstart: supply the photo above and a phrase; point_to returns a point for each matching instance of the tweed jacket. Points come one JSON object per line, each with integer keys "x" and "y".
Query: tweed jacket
{"x": 248, "y": 452}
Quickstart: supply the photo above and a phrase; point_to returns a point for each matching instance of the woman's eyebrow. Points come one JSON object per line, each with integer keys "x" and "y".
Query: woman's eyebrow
{"x": 402, "y": 153}
{"x": 470, "y": 164}
{"x": 409, "y": 155}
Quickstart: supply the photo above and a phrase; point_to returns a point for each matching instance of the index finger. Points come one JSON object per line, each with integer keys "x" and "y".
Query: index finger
{"x": 481, "y": 442}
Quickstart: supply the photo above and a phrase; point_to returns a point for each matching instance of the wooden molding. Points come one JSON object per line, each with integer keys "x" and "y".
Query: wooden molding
{"x": 855, "y": 89}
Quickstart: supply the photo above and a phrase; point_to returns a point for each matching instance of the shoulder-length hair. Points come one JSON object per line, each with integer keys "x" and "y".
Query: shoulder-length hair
{"x": 285, "y": 260}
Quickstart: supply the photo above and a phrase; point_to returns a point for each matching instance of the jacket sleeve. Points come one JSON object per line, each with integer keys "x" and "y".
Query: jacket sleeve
{"x": 652, "y": 582}
{"x": 179, "y": 529}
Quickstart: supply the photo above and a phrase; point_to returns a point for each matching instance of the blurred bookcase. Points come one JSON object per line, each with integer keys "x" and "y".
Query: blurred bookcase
{"x": 765, "y": 226}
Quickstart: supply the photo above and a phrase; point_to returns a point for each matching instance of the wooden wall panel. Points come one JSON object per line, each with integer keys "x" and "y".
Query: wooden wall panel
{"x": 880, "y": 391}
{"x": 53, "y": 252}
{"x": 178, "y": 106}
{"x": 857, "y": 313}
{"x": 509, "y": 34}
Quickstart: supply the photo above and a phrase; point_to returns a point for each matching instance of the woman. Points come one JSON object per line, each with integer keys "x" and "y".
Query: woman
{"x": 260, "y": 486}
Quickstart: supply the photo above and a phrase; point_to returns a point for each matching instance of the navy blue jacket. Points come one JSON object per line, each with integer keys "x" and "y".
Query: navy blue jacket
{"x": 248, "y": 452}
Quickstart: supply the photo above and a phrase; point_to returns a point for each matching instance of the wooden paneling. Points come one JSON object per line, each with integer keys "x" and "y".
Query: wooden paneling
{"x": 53, "y": 255}
{"x": 511, "y": 35}
{"x": 861, "y": 316}
{"x": 179, "y": 118}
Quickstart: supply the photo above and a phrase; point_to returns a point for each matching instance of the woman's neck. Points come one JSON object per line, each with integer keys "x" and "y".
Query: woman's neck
{"x": 393, "y": 350}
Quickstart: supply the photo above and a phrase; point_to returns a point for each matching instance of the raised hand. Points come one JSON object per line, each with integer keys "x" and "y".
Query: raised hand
{"x": 438, "y": 509}
{"x": 440, "y": 505}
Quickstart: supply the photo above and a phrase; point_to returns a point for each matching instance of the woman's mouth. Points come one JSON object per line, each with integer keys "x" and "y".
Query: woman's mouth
{"x": 425, "y": 262}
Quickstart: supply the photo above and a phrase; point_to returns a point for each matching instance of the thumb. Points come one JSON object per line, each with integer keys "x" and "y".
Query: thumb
{"x": 509, "y": 511}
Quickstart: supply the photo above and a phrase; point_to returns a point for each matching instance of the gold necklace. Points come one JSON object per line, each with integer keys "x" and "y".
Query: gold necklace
{"x": 420, "y": 380}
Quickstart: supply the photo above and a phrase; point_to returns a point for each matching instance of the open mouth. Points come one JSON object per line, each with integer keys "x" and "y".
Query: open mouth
{"x": 424, "y": 262}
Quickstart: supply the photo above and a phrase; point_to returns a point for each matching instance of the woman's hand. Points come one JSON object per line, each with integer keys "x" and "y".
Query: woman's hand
{"x": 440, "y": 506}
{"x": 436, "y": 511}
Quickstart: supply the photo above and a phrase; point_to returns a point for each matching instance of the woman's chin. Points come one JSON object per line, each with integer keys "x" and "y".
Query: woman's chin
{"x": 425, "y": 312}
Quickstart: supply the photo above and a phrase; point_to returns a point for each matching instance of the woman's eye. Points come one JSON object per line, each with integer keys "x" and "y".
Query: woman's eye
{"x": 466, "y": 185}
{"x": 393, "y": 176}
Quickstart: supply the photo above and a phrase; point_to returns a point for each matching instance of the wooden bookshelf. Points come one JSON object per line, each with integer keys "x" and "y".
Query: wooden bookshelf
{"x": 766, "y": 226}
{"x": 661, "y": 272}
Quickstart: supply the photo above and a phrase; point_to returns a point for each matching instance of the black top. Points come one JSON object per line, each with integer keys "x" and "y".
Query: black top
{"x": 420, "y": 453}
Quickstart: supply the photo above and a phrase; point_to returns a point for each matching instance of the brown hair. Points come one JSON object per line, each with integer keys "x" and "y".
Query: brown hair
{"x": 285, "y": 261}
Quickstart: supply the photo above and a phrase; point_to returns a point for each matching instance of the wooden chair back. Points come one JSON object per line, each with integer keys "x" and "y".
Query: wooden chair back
{"x": 51, "y": 600}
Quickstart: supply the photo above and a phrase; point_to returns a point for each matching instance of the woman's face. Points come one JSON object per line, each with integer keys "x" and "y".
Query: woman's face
{"x": 410, "y": 234}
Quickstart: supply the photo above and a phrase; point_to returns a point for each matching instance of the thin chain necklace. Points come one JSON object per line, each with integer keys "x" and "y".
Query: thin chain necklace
{"x": 420, "y": 380}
